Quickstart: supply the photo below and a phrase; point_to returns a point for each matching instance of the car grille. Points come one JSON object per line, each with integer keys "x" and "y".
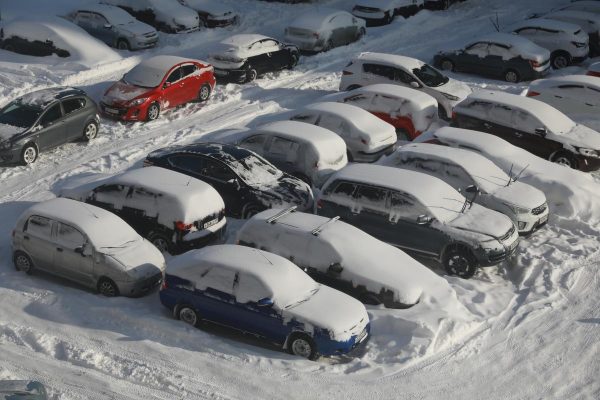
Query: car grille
{"x": 540, "y": 209}
{"x": 120, "y": 111}
{"x": 150, "y": 283}
{"x": 496, "y": 258}
{"x": 508, "y": 234}
{"x": 150, "y": 35}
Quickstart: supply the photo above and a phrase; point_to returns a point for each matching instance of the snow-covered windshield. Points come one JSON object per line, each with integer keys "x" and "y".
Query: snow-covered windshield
{"x": 116, "y": 16}
{"x": 20, "y": 115}
{"x": 300, "y": 298}
{"x": 144, "y": 76}
{"x": 429, "y": 76}
{"x": 255, "y": 171}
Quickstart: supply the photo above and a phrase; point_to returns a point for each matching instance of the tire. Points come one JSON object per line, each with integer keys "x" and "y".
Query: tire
{"x": 564, "y": 158}
{"x": 250, "y": 210}
{"x": 107, "y": 288}
{"x": 560, "y": 60}
{"x": 301, "y": 345}
{"x": 512, "y": 76}
{"x": 188, "y": 315}
{"x": 447, "y": 65}
{"x": 202, "y": 22}
{"x": 251, "y": 74}
{"x": 459, "y": 261}
{"x": 29, "y": 154}
{"x": 294, "y": 57}
{"x": 123, "y": 44}
{"x": 388, "y": 19}
{"x": 90, "y": 131}
{"x": 445, "y": 4}
{"x": 160, "y": 241}
{"x": 153, "y": 112}
{"x": 9, "y": 47}
{"x": 204, "y": 94}
{"x": 23, "y": 262}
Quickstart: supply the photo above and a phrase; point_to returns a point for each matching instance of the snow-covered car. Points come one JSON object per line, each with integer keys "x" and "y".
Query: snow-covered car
{"x": 173, "y": 211}
{"x": 594, "y": 69}
{"x": 266, "y": 295}
{"x": 212, "y": 13}
{"x": 22, "y": 390}
{"x": 367, "y": 137}
{"x": 440, "y": 4}
{"x": 568, "y": 43}
{"x": 585, "y": 5}
{"x": 165, "y": 15}
{"x": 532, "y": 125}
{"x": 588, "y": 21}
{"x": 115, "y": 27}
{"x": 322, "y": 29}
{"x": 156, "y": 84}
{"x": 382, "y": 12}
{"x": 87, "y": 245}
{"x": 247, "y": 182}
{"x": 242, "y": 58}
{"x": 33, "y": 38}
{"x": 500, "y": 55}
{"x": 410, "y": 111}
{"x": 422, "y": 214}
{"x": 41, "y": 120}
{"x": 306, "y": 151}
{"x": 524, "y": 204}
{"x": 337, "y": 255}
{"x": 371, "y": 68}
{"x": 578, "y": 96}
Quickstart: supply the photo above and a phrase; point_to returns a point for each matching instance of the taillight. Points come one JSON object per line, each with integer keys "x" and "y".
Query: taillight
{"x": 319, "y": 203}
{"x": 181, "y": 226}
{"x": 347, "y": 73}
{"x": 164, "y": 285}
{"x": 531, "y": 93}
{"x": 593, "y": 73}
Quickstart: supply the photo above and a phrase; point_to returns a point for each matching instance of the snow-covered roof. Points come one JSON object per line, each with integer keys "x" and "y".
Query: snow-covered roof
{"x": 419, "y": 97}
{"x": 518, "y": 44}
{"x": 150, "y": 72}
{"x": 546, "y": 23}
{"x": 314, "y": 19}
{"x": 361, "y": 119}
{"x": 243, "y": 39}
{"x": 103, "y": 228}
{"x": 238, "y": 47}
{"x": 574, "y": 14}
{"x": 320, "y": 138}
{"x": 393, "y": 59}
{"x": 583, "y": 80}
{"x": 43, "y": 97}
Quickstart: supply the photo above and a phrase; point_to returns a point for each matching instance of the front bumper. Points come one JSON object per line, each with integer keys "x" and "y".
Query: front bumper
{"x": 141, "y": 287}
{"x": 230, "y": 75}
{"x": 119, "y": 112}
{"x": 532, "y": 222}
{"x": 329, "y": 347}
{"x": 141, "y": 43}
{"x": 10, "y": 156}
{"x": 587, "y": 164}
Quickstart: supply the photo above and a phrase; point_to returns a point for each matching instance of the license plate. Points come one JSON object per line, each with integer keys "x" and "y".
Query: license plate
{"x": 111, "y": 110}
{"x": 514, "y": 245}
{"x": 210, "y": 223}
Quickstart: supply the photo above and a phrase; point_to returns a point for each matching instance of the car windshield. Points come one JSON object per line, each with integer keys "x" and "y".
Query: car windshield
{"x": 18, "y": 114}
{"x": 255, "y": 171}
{"x": 117, "y": 16}
{"x": 430, "y": 76}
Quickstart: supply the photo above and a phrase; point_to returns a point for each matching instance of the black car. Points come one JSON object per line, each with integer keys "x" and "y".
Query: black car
{"x": 45, "y": 119}
{"x": 247, "y": 182}
{"x": 499, "y": 55}
{"x": 242, "y": 58}
{"x": 28, "y": 47}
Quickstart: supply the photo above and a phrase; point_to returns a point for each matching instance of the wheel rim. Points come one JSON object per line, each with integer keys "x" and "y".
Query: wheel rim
{"x": 560, "y": 62}
{"x": 123, "y": 46}
{"x": 204, "y": 93}
{"x": 107, "y": 289}
{"x": 302, "y": 348}
{"x": 458, "y": 265}
{"x": 564, "y": 161}
{"x": 511, "y": 76}
{"x": 252, "y": 75}
{"x": 161, "y": 244}
{"x": 29, "y": 155}
{"x": 188, "y": 316}
{"x": 447, "y": 65}
{"x": 90, "y": 131}
{"x": 23, "y": 263}
{"x": 153, "y": 112}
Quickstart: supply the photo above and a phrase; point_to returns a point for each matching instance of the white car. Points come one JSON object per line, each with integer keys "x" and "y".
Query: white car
{"x": 323, "y": 28}
{"x": 585, "y": 5}
{"x": 568, "y": 43}
{"x": 371, "y": 68}
{"x": 382, "y": 12}
{"x": 303, "y": 150}
{"x": 338, "y": 255}
{"x": 87, "y": 245}
{"x": 212, "y": 13}
{"x": 589, "y": 21}
{"x": 165, "y": 15}
{"x": 367, "y": 137}
{"x": 459, "y": 168}
{"x": 578, "y": 96}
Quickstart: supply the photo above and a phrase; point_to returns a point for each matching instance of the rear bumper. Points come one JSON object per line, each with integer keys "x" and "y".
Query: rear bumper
{"x": 230, "y": 75}
{"x": 208, "y": 237}
{"x": 360, "y": 156}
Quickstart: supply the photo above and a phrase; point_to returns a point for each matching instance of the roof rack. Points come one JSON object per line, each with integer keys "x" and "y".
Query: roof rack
{"x": 280, "y": 214}
{"x": 319, "y": 228}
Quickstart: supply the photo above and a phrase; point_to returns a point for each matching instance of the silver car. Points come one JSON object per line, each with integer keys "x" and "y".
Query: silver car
{"x": 115, "y": 27}
{"x": 88, "y": 245}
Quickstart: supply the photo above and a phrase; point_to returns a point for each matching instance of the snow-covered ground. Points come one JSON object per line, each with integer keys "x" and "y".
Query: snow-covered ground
{"x": 528, "y": 329}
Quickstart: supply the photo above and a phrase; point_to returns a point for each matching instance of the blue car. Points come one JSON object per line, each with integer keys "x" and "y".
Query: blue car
{"x": 265, "y": 295}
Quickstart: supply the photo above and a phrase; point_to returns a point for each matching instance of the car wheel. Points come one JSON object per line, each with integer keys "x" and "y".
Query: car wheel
{"x": 90, "y": 131}
{"x": 123, "y": 44}
{"x": 328, "y": 46}
{"x": 293, "y": 61}
{"x": 445, "y": 4}
{"x": 560, "y": 60}
{"x": 511, "y": 76}
{"x": 9, "y": 47}
{"x": 460, "y": 261}
{"x": 349, "y": 156}
{"x": 23, "y": 262}
{"x": 153, "y": 112}
{"x": 188, "y": 315}
{"x": 302, "y": 345}
{"x": 447, "y": 65}
{"x": 564, "y": 158}
{"x": 204, "y": 93}
{"x": 250, "y": 210}
{"x": 29, "y": 154}
{"x": 251, "y": 74}
{"x": 106, "y": 287}
{"x": 160, "y": 241}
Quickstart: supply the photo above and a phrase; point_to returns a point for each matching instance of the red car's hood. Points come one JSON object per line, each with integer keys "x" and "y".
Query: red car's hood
{"x": 122, "y": 92}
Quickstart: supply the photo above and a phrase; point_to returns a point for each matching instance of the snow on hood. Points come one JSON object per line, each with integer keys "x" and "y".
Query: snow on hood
{"x": 140, "y": 258}
{"x": 454, "y": 88}
{"x": 121, "y": 92}
{"x": 313, "y": 20}
{"x": 580, "y": 136}
{"x": 520, "y": 194}
{"x": 9, "y": 131}
{"x": 213, "y": 7}
{"x": 482, "y": 220}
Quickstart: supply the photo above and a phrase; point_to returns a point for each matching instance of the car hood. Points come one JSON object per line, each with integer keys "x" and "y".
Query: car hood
{"x": 581, "y": 136}
{"x": 7, "y": 132}
{"x": 121, "y": 92}
{"x": 140, "y": 259}
{"x": 482, "y": 220}
{"x": 521, "y": 195}
{"x": 137, "y": 28}
{"x": 286, "y": 191}
{"x": 454, "y": 88}
{"x": 342, "y": 315}
{"x": 79, "y": 188}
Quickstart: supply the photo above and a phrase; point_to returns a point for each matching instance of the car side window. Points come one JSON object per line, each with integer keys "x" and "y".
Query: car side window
{"x": 527, "y": 31}
{"x": 174, "y": 76}
{"x": 501, "y": 114}
{"x": 220, "y": 279}
{"x": 284, "y": 148}
{"x": 187, "y": 162}
{"x": 380, "y": 70}
{"x": 255, "y": 143}
{"x": 404, "y": 206}
{"x": 342, "y": 189}
{"x": 456, "y": 176}
{"x": 331, "y": 122}
{"x": 372, "y": 198}
{"x": 72, "y": 105}
{"x": 111, "y": 194}
{"x": 403, "y": 76}
{"x": 308, "y": 118}
{"x": 216, "y": 170}
{"x": 51, "y": 115}
{"x": 500, "y": 51}
{"x": 527, "y": 122}
{"x": 84, "y": 17}
{"x": 478, "y": 49}
{"x": 69, "y": 237}
{"x": 188, "y": 69}
{"x": 39, "y": 226}
{"x": 248, "y": 289}
{"x": 358, "y": 100}
{"x": 100, "y": 21}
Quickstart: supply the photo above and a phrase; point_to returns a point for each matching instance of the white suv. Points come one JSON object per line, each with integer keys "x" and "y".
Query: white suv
{"x": 371, "y": 68}
{"x": 568, "y": 43}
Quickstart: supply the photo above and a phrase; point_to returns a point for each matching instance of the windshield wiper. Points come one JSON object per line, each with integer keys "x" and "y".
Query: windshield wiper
{"x": 303, "y": 300}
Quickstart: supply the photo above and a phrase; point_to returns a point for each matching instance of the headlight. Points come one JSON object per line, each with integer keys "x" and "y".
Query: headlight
{"x": 588, "y": 152}
{"x": 518, "y": 210}
{"x": 137, "y": 102}
{"x": 449, "y": 96}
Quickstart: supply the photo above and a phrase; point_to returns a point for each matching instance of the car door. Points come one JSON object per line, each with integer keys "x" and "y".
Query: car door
{"x": 190, "y": 83}
{"x": 76, "y": 264}
{"x": 261, "y": 62}
{"x": 473, "y": 58}
{"x": 283, "y": 153}
{"x": 279, "y": 59}
{"x": 500, "y": 123}
{"x": 173, "y": 89}
{"x": 52, "y": 128}
{"x": 110, "y": 197}
{"x": 337, "y": 30}
{"x": 37, "y": 241}
{"x": 525, "y": 136}
{"x": 338, "y": 200}
{"x": 370, "y": 211}
{"x": 572, "y": 99}
{"x": 377, "y": 73}
{"x": 214, "y": 298}
{"x": 140, "y": 209}
{"x": 103, "y": 30}
{"x": 75, "y": 117}
{"x": 84, "y": 20}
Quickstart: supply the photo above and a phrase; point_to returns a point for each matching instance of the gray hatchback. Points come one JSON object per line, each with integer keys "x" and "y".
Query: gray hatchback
{"x": 45, "y": 119}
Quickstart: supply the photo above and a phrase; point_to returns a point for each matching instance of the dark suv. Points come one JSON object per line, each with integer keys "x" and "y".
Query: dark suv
{"x": 247, "y": 182}
{"x": 45, "y": 119}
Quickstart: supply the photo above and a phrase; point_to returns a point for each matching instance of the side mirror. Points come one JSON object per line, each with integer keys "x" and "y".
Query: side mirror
{"x": 265, "y": 302}
{"x": 472, "y": 189}
{"x": 541, "y": 131}
{"x": 415, "y": 85}
{"x": 335, "y": 269}
{"x": 166, "y": 85}
{"x": 424, "y": 219}
{"x": 81, "y": 250}
{"x": 235, "y": 183}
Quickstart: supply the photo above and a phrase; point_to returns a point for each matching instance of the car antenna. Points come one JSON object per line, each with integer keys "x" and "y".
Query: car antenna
{"x": 280, "y": 214}
{"x": 520, "y": 173}
{"x": 319, "y": 228}
{"x": 510, "y": 177}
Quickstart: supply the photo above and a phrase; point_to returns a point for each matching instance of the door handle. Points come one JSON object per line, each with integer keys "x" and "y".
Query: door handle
{"x": 518, "y": 134}
{"x": 59, "y": 249}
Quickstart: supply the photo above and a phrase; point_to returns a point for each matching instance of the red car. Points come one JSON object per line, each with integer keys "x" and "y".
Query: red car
{"x": 157, "y": 84}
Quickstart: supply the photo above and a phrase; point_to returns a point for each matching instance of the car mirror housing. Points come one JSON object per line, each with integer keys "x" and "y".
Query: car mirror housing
{"x": 235, "y": 183}
{"x": 415, "y": 85}
{"x": 424, "y": 219}
{"x": 541, "y": 131}
{"x": 472, "y": 189}
{"x": 265, "y": 302}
